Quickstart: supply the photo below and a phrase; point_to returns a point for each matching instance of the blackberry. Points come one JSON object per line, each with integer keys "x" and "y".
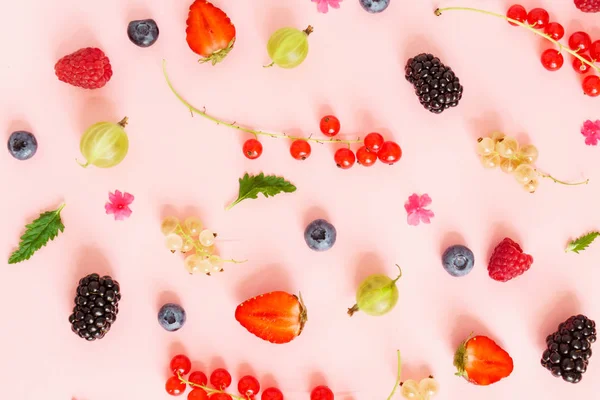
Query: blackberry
{"x": 569, "y": 350}
{"x": 96, "y": 306}
{"x": 436, "y": 85}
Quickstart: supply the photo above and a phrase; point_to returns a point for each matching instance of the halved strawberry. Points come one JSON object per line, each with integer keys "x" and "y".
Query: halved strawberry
{"x": 210, "y": 32}
{"x": 481, "y": 361}
{"x": 277, "y": 317}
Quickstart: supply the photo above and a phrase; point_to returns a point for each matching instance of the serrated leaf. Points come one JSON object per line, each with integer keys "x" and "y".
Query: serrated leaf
{"x": 37, "y": 234}
{"x": 582, "y": 243}
{"x": 269, "y": 185}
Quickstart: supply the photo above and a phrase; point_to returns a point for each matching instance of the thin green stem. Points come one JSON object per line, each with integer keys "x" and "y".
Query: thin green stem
{"x": 199, "y": 248}
{"x": 238, "y": 127}
{"x": 562, "y": 182}
{"x": 397, "y": 377}
{"x": 207, "y": 389}
{"x": 531, "y": 28}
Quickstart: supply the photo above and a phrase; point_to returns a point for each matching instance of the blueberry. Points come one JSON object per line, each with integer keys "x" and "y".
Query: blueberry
{"x": 143, "y": 32}
{"x": 22, "y": 145}
{"x": 171, "y": 317}
{"x": 458, "y": 260}
{"x": 320, "y": 235}
{"x": 374, "y": 6}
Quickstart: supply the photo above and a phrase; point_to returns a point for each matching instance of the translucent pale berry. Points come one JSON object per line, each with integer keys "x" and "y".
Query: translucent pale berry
{"x": 410, "y": 390}
{"x": 429, "y": 387}
{"x": 365, "y": 157}
{"x": 517, "y": 12}
{"x": 198, "y": 378}
{"x": 206, "y": 238}
{"x": 552, "y": 60}
{"x": 524, "y": 173}
{"x": 490, "y": 161}
{"x": 485, "y": 146}
{"x": 496, "y": 136}
{"x": 373, "y": 142}
{"x": 330, "y": 125}
{"x": 300, "y": 149}
{"x": 220, "y": 378}
{"x": 192, "y": 263}
{"x": 508, "y": 165}
{"x": 538, "y": 18}
{"x": 271, "y": 394}
{"x": 248, "y": 386}
{"x": 591, "y": 86}
{"x": 205, "y": 266}
{"x": 252, "y": 149}
{"x": 187, "y": 246}
{"x": 197, "y": 394}
{"x": 344, "y": 158}
{"x": 580, "y": 66}
{"x": 580, "y": 41}
{"x": 321, "y": 393}
{"x": 173, "y": 242}
{"x": 168, "y": 225}
{"x": 528, "y": 154}
{"x": 595, "y": 50}
{"x": 507, "y": 147}
{"x": 193, "y": 225}
{"x": 555, "y": 30}
{"x": 180, "y": 364}
{"x": 531, "y": 186}
{"x": 389, "y": 153}
{"x": 174, "y": 386}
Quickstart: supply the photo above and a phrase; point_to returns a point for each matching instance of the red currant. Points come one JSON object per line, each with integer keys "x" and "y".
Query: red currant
{"x": 220, "y": 396}
{"x": 248, "y": 386}
{"x": 220, "y": 378}
{"x": 517, "y": 12}
{"x": 271, "y": 394}
{"x": 552, "y": 60}
{"x": 580, "y": 42}
{"x": 591, "y": 86}
{"x": 555, "y": 30}
{"x": 252, "y": 149}
{"x": 580, "y": 66}
{"x": 365, "y": 157}
{"x": 197, "y": 394}
{"x": 330, "y": 125}
{"x": 300, "y": 149}
{"x": 373, "y": 141}
{"x": 174, "y": 386}
{"x": 389, "y": 153}
{"x": 595, "y": 50}
{"x": 538, "y": 18}
{"x": 198, "y": 378}
{"x": 344, "y": 158}
{"x": 181, "y": 364}
{"x": 321, "y": 393}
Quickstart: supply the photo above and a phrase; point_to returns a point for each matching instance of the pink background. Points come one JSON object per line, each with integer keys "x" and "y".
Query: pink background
{"x": 183, "y": 165}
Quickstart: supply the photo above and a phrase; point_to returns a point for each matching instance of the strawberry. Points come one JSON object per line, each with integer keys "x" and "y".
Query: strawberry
{"x": 508, "y": 261}
{"x": 481, "y": 361}
{"x": 210, "y": 32}
{"x": 277, "y": 317}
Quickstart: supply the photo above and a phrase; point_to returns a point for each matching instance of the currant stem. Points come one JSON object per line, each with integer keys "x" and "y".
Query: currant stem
{"x": 207, "y": 389}
{"x": 562, "y": 182}
{"x": 397, "y": 377}
{"x": 238, "y": 127}
{"x": 199, "y": 248}
{"x": 439, "y": 12}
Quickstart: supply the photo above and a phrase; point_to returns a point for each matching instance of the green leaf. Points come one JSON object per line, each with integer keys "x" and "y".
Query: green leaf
{"x": 582, "y": 242}
{"x": 270, "y": 185}
{"x": 37, "y": 234}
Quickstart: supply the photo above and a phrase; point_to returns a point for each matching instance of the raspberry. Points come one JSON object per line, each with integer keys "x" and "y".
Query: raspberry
{"x": 508, "y": 261}
{"x": 589, "y": 6}
{"x": 88, "y": 68}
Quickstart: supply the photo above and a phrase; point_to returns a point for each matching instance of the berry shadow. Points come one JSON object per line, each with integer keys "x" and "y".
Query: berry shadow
{"x": 276, "y": 18}
{"x": 166, "y": 296}
{"x": 137, "y": 12}
{"x": 90, "y": 260}
{"x": 96, "y": 109}
{"x": 77, "y": 39}
{"x": 20, "y": 125}
{"x": 175, "y": 348}
{"x": 415, "y": 372}
{"x": 268, "y": 380}
{"x": 264, "y": 280}
{"x": 464, "y": 326}
{"x": 421, "y": 44}
{"x": 368, "y": 263}
{"x": 316, "y": 379}
{"x": 499, "y": 232}
{"x": 564, "y": 305}
{"x": 451, "y": 239}
{"x": 485, "y": 124}
{"x": 215, "y": 363}
{"x": 246, "y": 369}
{"x": 312, "y": 214}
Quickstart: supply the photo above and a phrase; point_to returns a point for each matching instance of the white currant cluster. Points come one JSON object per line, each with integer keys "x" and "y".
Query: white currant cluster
{"x": 426, "y": 389}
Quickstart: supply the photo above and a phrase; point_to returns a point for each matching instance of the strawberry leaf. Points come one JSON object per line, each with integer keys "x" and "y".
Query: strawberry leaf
{"x": 44, "y": 229}
{"x": 582, "y": 243}
{"x": 270, "y": 185}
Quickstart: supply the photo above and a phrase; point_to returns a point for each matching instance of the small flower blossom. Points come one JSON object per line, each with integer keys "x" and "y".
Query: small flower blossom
{"x": 118, "y": 204}
{"x": 591, "y": 131}
{"x": 323, "y": 5}
{"x": 415, "y": 207}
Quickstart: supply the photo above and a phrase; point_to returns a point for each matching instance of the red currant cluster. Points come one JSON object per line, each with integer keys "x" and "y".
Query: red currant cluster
{"x": 373, "y": 147}
{"x": 585, "y": 52}
{"x": 220, "y": 379}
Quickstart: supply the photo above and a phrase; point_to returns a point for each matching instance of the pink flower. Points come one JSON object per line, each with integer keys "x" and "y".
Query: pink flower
{"x": 591, "y": 131}
{"x": 323, "y": 5}
{"x": 118, "y": 204}
{"x": 416, "y": 211}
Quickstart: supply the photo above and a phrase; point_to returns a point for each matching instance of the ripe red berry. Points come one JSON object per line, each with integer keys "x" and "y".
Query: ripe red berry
{"x": 538, "y": 18}
{"x": 220, "y": 378}
{"x": 271, "y": 394}
{"x": 373, "y": 142}
{"x": 321, "y": 393}
{"x": 555, "y": 30}
{"x": 517, "y": 12}
{"x": 88, "y": 68}
{"x": 580, "y": 41}
{"x": 591, "y": 86}
{"x": 389, "y": 153}
{"x": 365, "y": 157}
{"x": 248, "y": 386}
{"x": 181, "y": 364}
{"x": 198, "y": 377}
{"x": 197, "y": 394}
{"x": 595, "y": 50}
{"x": 330, "y": 125}
{"x": 580, "y": 66}
{"x": 252, "y": 149}
{"x": 174, "y": 386}
{"x": 300, "y": 149}
{"x": 552, "y": 60}
{"x": 344, "y": 158}
{"x": 220, "y": 396}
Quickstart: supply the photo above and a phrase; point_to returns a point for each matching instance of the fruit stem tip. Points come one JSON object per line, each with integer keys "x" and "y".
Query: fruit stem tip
{"x": 124, "y": 122}
{"x": 437, "y": 12}
{"x": 309, "y": 30}
{"x": 352, "y": 310}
